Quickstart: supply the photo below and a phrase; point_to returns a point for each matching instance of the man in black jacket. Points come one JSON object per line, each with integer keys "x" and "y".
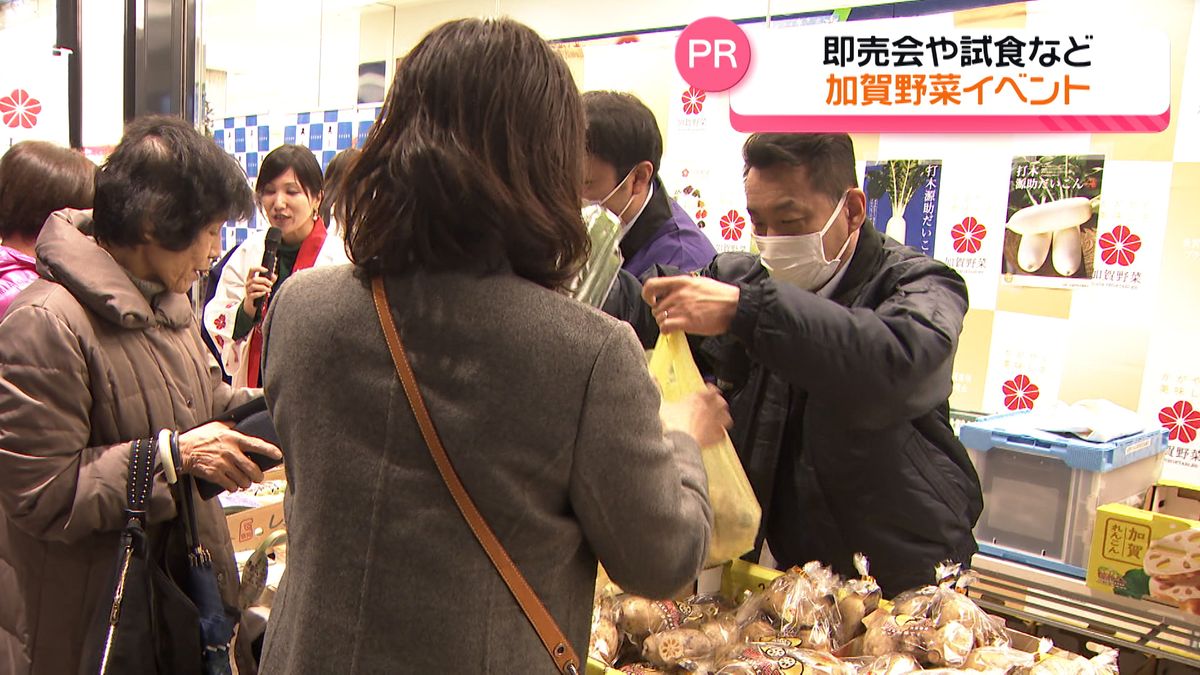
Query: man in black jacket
{"x": 835, "y": 350}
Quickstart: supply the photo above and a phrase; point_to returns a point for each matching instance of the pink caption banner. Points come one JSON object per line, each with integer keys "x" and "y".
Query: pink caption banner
{"x": 877, "y": 78}
{"x": 949, "y": 124}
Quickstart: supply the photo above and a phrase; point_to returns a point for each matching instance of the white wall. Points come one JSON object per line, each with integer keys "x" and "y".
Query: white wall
{"x": 376, "y": 38}
{"x": 338, "y": 57}
{"x": 556, "y": 20}
{"x": 103, "y": 28}
{"x": 303, "y": 55}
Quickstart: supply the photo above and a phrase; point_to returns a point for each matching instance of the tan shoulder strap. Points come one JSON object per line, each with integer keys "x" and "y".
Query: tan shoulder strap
{"x": 547, "y": 629}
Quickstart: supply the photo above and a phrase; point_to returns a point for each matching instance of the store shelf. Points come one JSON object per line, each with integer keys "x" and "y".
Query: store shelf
{"x": 1029, "y": 594}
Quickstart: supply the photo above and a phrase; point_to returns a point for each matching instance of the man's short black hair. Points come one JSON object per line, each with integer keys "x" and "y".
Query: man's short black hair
{"x": 621, "y": 130}
{"x": 829, "y": 158}
{"x": 167, "y": 182}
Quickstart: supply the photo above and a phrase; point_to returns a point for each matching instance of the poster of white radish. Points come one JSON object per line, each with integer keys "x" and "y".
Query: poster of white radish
{"x": 1053, "y": 210}
{"x": 902, "y": 200}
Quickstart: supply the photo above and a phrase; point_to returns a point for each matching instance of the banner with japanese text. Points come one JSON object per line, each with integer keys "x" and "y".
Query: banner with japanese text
{"x": 879, "y": 78}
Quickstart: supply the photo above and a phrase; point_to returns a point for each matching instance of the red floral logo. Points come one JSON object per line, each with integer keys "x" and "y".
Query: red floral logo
{"x": 732, "y": 224}
{"x": 693, "y": 101}
{"x": 1182, "y": 420}
{"x": 1119, "y": 246}
{"x": 220, "y": 322}
{"x": 20, "y": 110}
{"x": 220, "y": 341}
{"x": 1020, "y": 393}
{"x": 968, "y": 235}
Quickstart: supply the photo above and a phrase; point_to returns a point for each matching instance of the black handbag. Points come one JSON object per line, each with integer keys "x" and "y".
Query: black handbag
{"x": 165, "y": 615}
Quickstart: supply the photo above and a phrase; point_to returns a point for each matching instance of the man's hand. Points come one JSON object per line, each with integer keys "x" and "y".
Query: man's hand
{"x": 704, "y": 416}
{"x": 695, "y": 305}
{"x": 217, "y": 453}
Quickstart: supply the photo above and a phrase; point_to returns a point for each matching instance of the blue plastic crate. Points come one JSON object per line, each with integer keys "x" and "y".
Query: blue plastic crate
{"x": 1041, "y": 490}
{"x": 1008, "y": 432}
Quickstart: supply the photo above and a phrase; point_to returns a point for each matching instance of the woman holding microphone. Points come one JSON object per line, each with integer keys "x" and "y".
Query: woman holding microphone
{"x": 289, "y": 191}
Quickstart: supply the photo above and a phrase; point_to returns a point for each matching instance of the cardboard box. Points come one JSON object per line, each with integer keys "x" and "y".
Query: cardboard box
{"x": 1173, "y": 498}
{"x": 1139, "y": 553}
{"x": 247, "y": 528}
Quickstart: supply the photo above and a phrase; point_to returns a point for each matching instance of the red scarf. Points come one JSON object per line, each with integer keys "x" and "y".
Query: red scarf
{"x": 304, "y": 260}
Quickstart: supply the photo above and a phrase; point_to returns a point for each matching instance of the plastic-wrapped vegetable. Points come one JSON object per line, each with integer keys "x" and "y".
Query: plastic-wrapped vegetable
{"x": 1104, "y": 663}
{"x": 642, "y": 669}
{"x": 884, "y": 634}
{"x": 857, "y": 599}
{"x": 783, "y": 658}
{"x": 1003, "y": 659}
{"x": 707, "y": 607}
{"x": 802, "y": 603}
{"x": 598, "y": 274}
{"x": 760, "y": 630}
{"x": 638, "y": 618}
{"x": 698, "y": 648}
{"x": 891, "y": 664}
{"x": 949, "y": 645}
{"x": 683, "y": 647}
{"x": 956, "y": 608}
{"x": 605, "y": 642}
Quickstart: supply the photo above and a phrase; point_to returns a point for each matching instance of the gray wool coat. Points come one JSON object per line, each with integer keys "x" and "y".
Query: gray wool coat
{"x": 549, "y": 414}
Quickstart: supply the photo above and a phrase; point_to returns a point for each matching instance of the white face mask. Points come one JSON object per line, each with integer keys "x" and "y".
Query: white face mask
{"x": 600, "y": 202}
{"x": 800, "y": 259}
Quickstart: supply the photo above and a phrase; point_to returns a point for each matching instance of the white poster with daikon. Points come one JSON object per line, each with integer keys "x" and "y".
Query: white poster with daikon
{"x": 1053, "y": 212}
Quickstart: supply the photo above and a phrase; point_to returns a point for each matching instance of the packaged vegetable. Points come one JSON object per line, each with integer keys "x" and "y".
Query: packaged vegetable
{"x": 857, "y": 599}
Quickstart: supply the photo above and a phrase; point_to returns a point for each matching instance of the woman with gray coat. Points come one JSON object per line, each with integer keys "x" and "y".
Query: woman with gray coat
{"x": 466, "y": 200}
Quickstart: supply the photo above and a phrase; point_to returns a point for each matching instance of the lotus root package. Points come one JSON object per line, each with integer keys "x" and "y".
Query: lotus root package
{"x": 937, "y": 625}
{"x": 1140, "y": 554}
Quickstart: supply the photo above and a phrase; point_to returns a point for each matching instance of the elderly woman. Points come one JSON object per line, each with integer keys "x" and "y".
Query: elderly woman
{"x": 466, "y": 200}
{"x": 103, "y": 350}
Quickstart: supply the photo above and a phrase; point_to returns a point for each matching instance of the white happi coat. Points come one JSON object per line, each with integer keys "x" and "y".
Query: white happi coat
{"x": 221, "y": 312}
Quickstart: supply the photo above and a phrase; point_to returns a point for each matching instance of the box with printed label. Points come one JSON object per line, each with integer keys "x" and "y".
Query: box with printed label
{"x": 1138, "y": 553}
{"x": 248, "y": 527}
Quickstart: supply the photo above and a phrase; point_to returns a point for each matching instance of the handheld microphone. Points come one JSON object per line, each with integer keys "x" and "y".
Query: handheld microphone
{"x": 274, "y": 236}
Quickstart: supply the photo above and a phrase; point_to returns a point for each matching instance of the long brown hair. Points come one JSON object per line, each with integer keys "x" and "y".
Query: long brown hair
{"x": 476, "y": 162}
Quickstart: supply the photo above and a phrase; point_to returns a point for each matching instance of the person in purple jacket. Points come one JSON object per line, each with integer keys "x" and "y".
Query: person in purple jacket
{"x": 36, "y": 179}
{"x": 624, "y": 150}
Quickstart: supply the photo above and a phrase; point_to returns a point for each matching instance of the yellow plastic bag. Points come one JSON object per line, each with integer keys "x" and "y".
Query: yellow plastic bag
{"x": 736, "y": 512}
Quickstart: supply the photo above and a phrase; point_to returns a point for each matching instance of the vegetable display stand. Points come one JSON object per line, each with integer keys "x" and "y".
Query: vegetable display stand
{"x": 1041, "y": 599}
